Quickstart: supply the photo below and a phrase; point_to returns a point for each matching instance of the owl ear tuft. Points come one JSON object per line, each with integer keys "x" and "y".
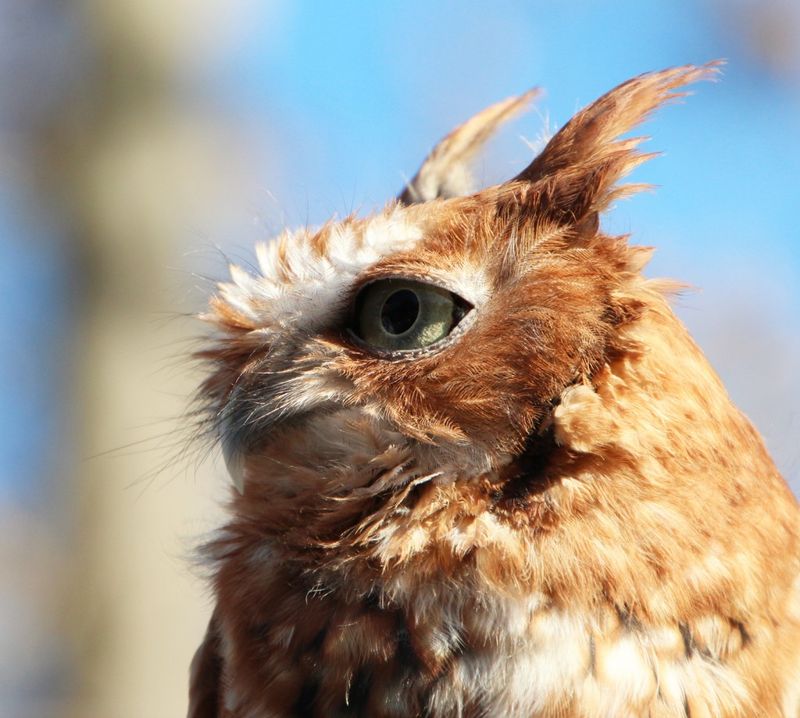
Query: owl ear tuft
{"x": 445, "y": 171}
{"x": 575, "y": 176}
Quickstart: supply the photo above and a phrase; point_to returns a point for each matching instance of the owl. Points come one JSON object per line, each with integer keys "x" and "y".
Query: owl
{"x": 481, "y": 469}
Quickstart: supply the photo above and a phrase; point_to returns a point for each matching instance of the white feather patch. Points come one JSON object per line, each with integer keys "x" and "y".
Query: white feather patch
{"x": 298, "y": 284}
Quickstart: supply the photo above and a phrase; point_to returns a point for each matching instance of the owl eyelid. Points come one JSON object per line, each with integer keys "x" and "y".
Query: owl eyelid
{"x": 462, "y": 322}
{"x": 430, "y": 279}
{"x": 411, "y": 354}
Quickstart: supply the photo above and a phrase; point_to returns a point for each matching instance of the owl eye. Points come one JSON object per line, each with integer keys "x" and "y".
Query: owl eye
{"x": 400, "y": 314}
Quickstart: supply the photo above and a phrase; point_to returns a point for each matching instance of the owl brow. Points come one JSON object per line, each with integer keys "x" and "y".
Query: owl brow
{"x": 522, "y": 244}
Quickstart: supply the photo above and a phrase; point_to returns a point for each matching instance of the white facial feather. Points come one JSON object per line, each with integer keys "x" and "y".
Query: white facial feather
{"x": 299, "y": 287}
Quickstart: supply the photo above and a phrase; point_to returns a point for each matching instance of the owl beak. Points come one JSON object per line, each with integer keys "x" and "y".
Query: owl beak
{"x": 235, "y": 463}
{"x": 232, "y": 450}
{"x": 244, "y": 424}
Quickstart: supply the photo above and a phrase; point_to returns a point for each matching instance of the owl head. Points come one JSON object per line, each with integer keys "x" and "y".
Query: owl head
{"x": 439, "y": 335}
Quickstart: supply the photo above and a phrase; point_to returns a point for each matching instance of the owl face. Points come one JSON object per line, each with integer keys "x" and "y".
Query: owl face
{"x": 447, "y": 327}
{"x": 454, "y": 327}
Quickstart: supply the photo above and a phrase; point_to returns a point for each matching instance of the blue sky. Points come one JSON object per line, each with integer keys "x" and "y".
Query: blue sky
{"x": 351, "y": 96}
{"x": 361, "y": 91}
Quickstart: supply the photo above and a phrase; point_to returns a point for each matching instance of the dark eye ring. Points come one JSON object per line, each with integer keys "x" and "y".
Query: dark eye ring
{"x": 404, "y": 314}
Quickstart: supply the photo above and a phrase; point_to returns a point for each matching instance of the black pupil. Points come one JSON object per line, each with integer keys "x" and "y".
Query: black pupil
{"x": 400, "y": 311}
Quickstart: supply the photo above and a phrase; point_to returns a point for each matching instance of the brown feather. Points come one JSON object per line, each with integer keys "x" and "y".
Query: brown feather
{"x": 555, "y": 511}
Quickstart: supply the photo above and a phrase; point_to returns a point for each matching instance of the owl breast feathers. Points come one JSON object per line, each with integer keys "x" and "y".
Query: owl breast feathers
{"x": 480, "y": 467}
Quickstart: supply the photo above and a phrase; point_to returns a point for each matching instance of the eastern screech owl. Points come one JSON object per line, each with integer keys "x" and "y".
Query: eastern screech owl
{"x": 483, "y": 470}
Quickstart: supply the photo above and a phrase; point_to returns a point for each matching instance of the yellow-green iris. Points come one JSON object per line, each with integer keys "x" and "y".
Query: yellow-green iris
{"x": 400, "y": 314}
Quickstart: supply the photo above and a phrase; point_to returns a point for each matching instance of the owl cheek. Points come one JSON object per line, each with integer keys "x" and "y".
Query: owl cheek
{"x": 421, "y": 422}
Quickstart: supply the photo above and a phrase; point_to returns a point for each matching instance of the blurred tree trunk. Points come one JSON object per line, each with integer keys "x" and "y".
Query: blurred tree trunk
{"x": 124, "y": 159}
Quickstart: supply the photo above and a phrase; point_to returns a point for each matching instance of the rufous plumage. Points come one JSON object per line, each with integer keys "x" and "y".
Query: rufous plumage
{"x": 483, "y": 470}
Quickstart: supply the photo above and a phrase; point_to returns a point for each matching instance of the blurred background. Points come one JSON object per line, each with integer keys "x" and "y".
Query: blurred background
{"x": 143, "y": 142}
